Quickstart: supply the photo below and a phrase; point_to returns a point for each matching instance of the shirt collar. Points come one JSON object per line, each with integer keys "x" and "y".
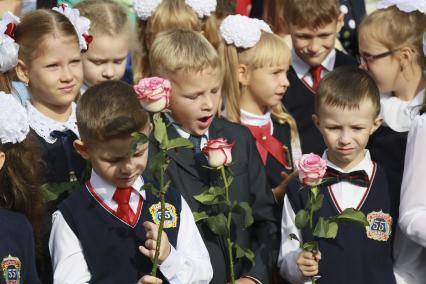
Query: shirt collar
{"x": 106, "y": 190}
{"x": 254, "y": 119}
{"x": 365, "y": 164}
{"x": 302, "y": 68}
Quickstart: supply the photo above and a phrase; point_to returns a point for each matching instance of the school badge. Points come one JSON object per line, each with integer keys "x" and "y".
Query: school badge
{"x": 380, "y": 227}
{"x": 170, "y": 215}
{"x": 11, "y": 267}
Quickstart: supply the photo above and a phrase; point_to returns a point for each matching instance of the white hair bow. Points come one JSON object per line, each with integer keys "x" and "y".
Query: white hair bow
{"x": 14, "y": 125}
{"x": 407, "y": 6}
{"x": 8, "y": 47}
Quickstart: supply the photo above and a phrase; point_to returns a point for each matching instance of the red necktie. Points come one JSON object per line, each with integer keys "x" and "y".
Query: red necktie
{"x": 122, "y": 197}
{"x": 266, "y": 143}
{"x": 316, "y": 76}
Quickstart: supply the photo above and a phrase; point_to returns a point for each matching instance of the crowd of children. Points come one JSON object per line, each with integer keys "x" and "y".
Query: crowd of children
{"x": 73, "y": 205}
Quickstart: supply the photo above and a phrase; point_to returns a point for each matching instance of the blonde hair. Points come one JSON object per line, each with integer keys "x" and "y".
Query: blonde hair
{"x": 271, "y": 50}
{"x": 170, "y": 14}
{"x": 182, "y": 50}
{"x": 106, "y": 17}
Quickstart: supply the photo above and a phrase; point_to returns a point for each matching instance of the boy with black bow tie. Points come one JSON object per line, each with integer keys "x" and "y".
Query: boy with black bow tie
{"x": 346, "y": 115}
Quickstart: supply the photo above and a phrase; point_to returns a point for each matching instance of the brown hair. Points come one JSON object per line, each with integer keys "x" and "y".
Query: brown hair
{"x": 184, "y": 50}
{"x": 5, "y": 85}
{"x": 170, "y": 14}
{"x": 334, "y": 89}
{"x": 106, "y": 17}
{"x": 311, "y": 13}
{"x": 35, "y": 27}
{"x": 273, "y": 14}
{"x": 109, "y": 110}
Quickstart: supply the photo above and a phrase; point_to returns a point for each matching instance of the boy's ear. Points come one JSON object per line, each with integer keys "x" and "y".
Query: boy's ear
{"x": 2, "y": 159}
{"x": 243, "y": 74}
{"x": 315, "y": 119}
{"x": 22, "y": 72}
{"x": 376, "y": 124}
{"x": 81, "y": 148}
{"x": 340, "y": 22}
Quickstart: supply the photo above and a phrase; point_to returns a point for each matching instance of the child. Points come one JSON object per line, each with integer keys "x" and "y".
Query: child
{"x": 313, "y": 26}
{"x": 110, "y": 28}
{"x": 391, "y": 49}
{"x": 157, "y": 16}
{"x": 91, "y": 222}
{"x": 255, "y": 81}
{"x": 20, "y": 195}
{"x": 346, "y": 115}
{"x": 194, "y": 68}
{"x": 50, "y": 64}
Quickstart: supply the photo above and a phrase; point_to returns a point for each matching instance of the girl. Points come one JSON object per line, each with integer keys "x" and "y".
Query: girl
{"x": 256, "y": 62}
{"x": 155, "y": 16}
{"x": 390, "y": 44}
{"x": 50, "y": 64}
{"x": 20, "y": 196}
{"x": 110, "y": 28}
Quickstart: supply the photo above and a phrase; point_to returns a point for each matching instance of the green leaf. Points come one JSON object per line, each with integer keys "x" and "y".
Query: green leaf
{"x": 198, "y": 216}
{"x": 293, "y": 237}
{"x": 352, "y": 215}
{"x": 152, "y": 188}
{"x": 309, "y": 246}
{"x": 317, "y": 204}
{"x": 230, "y": 179}
{"x": 214, "y": 195}
{"x": 218, "y": 224}
{"x": 137, "y": 139}
{"x": 243, "y": 252}
{"x": 315, "y": 191}
{"x": 302, "y": 218}
{"x": 52, "y": 191}
{"x": 325, "y": 229}
{"x": 160, "y": 132}
{"x": 248, "y": 213}
{"x": 156, "y": 165}
{"x": 179, "y": 143}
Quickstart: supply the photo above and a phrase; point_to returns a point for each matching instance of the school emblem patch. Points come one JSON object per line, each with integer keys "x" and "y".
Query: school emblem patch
{"x": 11, "y": 267}
{"x": 380, "y": 227}
{"x": 170, "y": 215}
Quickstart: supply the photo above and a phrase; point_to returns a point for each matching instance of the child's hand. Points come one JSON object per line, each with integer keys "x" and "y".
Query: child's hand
{"x": 148, "y": 279}
{"x": 279, "y": 191}
{"x": 149, "y": 248}
{"x": 308, "y": 262}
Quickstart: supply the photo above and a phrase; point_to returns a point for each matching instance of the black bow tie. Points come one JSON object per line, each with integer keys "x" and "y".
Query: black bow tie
{"x": 359, "y": 178}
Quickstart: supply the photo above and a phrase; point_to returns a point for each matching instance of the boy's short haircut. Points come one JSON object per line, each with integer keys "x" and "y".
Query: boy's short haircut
{"x": 311, "y": 13}
{"x": 182, "y": 50}
{"x": 346, "y": 87}
{"x": 109, "y": 110}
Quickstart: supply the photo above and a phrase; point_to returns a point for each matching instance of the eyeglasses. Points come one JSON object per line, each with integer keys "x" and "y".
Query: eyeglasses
{"x": 365, "y": 59}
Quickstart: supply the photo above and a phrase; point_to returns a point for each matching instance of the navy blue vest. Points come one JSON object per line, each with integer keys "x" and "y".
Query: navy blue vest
{"x": 352, "y": 257}
{"x": 110, "y": 246}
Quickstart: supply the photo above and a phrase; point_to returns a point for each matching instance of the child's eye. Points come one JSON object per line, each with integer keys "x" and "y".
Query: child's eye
{"x": 97, "y": 62}
{"x": 75, "y": 61}
{"x": 118, "y": 61}
{"x": 139, "y": 154}
{"x": 214, "y": 91}
{"x": 54, "y": 65}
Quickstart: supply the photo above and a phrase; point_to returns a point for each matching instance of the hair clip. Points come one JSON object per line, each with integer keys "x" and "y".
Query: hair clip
{"x": 242, "y": 31}
{"x": 14, "y": 125}
{"x": 80, "y": 23}
{"x": 203, "y": 8}
{"x": 145, "y": 8}
{"x": 8, "y": 47}
{"x": 406, "y": 6}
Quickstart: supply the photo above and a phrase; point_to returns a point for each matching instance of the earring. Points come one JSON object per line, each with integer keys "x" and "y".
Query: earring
{"x": 26, "y": 84}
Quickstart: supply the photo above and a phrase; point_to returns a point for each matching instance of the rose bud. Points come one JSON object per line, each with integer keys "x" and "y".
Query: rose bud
{"x": 218, "y": 152}
{"x": 153, "y": 93}
{"x": 311, "y": 169}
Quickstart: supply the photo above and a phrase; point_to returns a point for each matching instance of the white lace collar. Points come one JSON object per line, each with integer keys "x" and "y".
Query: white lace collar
{"x": 398, "y": 114}
{"x": 44, "y": 125}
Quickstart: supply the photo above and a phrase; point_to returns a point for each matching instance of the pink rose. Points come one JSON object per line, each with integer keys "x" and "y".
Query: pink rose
{"x": 153, "y": 93}
{"x": 311, "y": 169}
{"x": 218, "y": 152}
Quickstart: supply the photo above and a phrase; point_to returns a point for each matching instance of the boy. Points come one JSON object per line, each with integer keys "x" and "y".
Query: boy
{"x": 313, "y": 26}
{"x": 97, "y": 231}
{"x": 346, "y": 115}
{"x": 193, "y": 66}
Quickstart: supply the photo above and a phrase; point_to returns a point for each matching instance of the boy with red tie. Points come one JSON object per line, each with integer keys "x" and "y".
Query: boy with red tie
{"x": 97, "y": 231}
{"x": 313, "y": 26}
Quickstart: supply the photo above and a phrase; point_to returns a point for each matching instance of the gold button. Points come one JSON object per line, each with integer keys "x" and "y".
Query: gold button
{"x": 263, "y": 137}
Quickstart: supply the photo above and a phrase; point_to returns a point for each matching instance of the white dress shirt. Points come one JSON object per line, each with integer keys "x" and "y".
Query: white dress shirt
{"x": 69, "y": 264}
{"x": 410, "y": 240}
{"x": 346, "y": 195}
{"x": 302, "y": 69}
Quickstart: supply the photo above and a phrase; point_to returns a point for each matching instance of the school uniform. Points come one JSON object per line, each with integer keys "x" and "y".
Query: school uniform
{"x": 274, "y": 143}
{"x": 188, "y": 175}
{"x": 92, "y": 242}
{"x": 357, "y": 254}
{"x": 353, "y": 11}
{"x": 410, "y": 240}
{"x": 299, "y": 98}
{"x": 17, "y": 252}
